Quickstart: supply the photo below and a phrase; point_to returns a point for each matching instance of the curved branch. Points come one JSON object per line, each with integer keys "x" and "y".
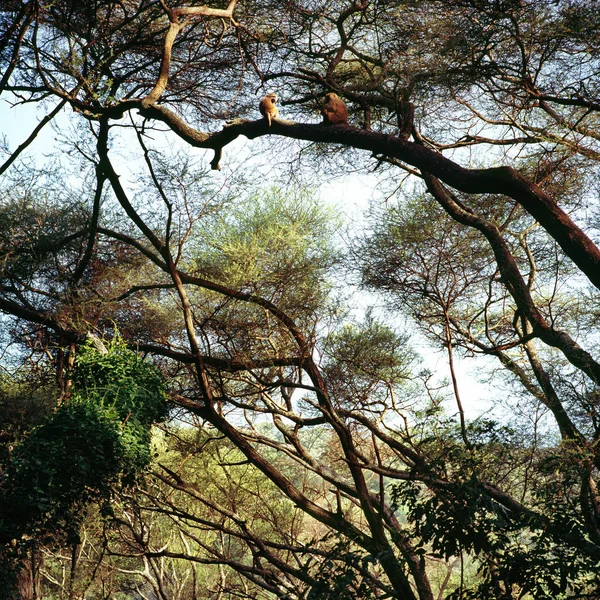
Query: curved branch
{"x": 10, "y": 307}
{"x": 515, "y": 284}
{"x": 175, "y": 27}
{"x": 163, "y": 78}
{"x": 45, "y": 120}
{"x": 100, "y": 179}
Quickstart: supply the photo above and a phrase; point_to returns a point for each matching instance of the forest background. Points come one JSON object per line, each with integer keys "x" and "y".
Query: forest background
{"x": 209, "y": 381}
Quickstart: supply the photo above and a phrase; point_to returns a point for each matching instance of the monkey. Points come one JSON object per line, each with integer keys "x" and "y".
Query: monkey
{"x": 268, "y": 109}
{"x": 335, "y": 112}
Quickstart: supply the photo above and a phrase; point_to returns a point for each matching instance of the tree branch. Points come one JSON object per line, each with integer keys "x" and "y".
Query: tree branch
{"x": 495, "y": 180}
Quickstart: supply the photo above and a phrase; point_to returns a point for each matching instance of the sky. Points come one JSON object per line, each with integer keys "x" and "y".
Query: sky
{"x": 16, "y": 123}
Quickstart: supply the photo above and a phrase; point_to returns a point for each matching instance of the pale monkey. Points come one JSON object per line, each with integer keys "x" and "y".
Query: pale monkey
{"x": 267, "y": 107}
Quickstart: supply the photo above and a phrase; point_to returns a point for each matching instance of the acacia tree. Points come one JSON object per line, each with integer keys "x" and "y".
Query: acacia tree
{"x": 492, "y": 108}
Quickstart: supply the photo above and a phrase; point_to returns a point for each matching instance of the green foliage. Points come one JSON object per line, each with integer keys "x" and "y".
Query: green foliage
{"x": 364, "y": 362}
{"x": 341, "y": 575}
{"x": 25, "y": 401}
{"x": 276, "y": 243}
{"x": 423, "y": 261}
{"x": 458, "y": 517}
{"x": 98, "y": 440}
{"x": 72, "y": 458}
{"x": 32, "y": 234}
{"x": 121, "y": 380}
{"x": 497, "y": 84}
{"x": 544, "y": 553}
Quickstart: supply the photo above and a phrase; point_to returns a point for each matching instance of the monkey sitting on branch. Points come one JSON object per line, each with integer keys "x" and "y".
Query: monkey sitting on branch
{"x": 268, "y": 109}
{"x": 335, "y": 111}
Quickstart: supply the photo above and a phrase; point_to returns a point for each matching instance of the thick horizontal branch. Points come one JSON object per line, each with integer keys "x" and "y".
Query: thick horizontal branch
{"x": 496, "y": 180}
{"x": 222, "y": 364}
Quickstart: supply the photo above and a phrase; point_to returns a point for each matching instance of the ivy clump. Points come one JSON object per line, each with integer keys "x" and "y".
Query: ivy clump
{"x": 121, "y": 379}
{"x": 96, "y": 441}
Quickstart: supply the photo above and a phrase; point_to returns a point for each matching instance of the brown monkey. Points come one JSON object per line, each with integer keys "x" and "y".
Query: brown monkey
{"x": 335, "y": 112}
{"x": 268, "y": 109}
